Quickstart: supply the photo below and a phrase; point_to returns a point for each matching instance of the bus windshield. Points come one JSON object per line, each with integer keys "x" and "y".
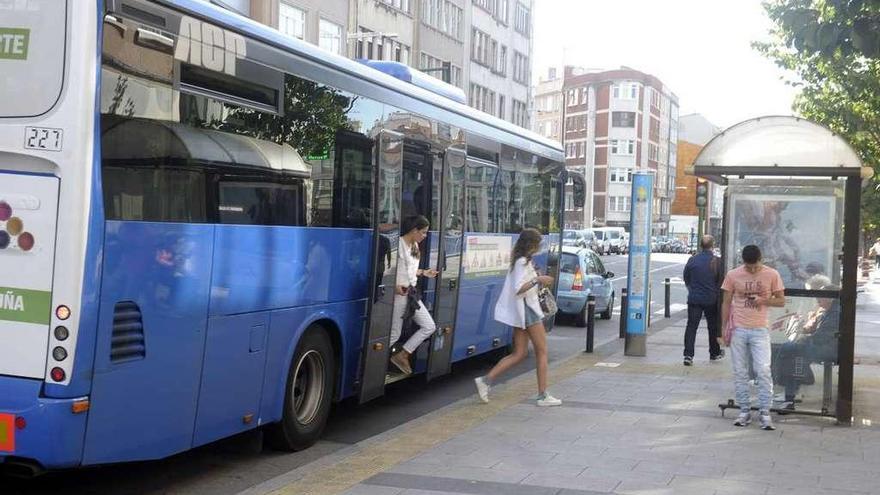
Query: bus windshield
{"x": 32, "y": 48}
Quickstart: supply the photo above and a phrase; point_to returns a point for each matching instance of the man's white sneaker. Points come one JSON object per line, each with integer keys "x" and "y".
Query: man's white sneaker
{"x": 548, "y": 401}
{"x": 482, "y": 388}
{"x": 743, "y": 419}
{"x": 766, "y": 421}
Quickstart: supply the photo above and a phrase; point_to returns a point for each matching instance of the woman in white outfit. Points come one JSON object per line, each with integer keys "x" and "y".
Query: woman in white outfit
{"x": 519, "y": 307}
{"x": 415, "y": 230}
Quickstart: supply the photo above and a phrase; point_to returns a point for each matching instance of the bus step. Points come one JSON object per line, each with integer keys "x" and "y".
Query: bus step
{"x": 395, "y": 377}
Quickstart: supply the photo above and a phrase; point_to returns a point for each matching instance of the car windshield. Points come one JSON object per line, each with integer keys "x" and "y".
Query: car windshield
{"x": 589, "y": 236}
{"x": 600, "y": 235}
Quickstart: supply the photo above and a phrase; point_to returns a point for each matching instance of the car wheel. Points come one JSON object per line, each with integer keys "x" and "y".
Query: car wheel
{"x": 308, "y": 395}
{"x": 606, "y": 315}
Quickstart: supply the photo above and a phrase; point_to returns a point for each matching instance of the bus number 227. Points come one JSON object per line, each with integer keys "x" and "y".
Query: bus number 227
{"x": 43, "y": 138}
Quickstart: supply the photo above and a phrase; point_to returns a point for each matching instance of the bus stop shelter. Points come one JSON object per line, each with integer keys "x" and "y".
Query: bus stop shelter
{"x": 794, "y": 189}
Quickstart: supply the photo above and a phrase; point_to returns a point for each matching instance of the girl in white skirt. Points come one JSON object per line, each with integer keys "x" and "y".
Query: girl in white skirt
{"x": 518, "y": 306}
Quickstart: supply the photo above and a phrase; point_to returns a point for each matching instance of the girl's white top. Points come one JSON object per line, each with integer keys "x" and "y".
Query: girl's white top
{"x": 510, "y": 308}
{"x": 407, "y": 265}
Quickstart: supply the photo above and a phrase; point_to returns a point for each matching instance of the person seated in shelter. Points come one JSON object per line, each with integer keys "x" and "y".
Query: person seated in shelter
{"x": 814, "y": 342}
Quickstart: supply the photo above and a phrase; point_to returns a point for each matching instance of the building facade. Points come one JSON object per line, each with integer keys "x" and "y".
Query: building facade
{"x": 482, "y": 46}
{"x": 613, "y": 123}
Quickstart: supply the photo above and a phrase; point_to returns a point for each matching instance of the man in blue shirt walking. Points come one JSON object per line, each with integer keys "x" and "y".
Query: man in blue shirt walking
{"x": 702, "y": 276}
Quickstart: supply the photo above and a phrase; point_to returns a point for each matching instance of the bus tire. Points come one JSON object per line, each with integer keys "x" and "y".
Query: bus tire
{"x": 308, "y": 394}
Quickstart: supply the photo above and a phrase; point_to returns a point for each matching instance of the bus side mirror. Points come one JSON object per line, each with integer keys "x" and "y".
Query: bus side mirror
{"x": 579, "y": 189}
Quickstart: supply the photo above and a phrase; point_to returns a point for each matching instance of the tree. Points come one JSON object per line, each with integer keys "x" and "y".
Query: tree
{"x": 832, "y": 47}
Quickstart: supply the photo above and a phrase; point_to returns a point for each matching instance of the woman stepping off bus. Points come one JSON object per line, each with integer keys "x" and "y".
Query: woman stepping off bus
{"x": 519, "y": 307}
{"x": 415, "y": 230}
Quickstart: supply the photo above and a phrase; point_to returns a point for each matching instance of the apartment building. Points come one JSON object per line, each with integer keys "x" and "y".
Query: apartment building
{"x": 548, "y": 106}
{"x": 482, "y": 46}
{"x": 616, "y": 122}
{"x": 500, "y": 70}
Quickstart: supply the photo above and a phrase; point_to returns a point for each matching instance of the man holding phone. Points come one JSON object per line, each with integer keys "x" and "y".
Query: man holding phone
{"x": 749, "y": 290}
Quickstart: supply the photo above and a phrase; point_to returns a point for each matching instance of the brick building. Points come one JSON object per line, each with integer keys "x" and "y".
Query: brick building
{"x": 694, "y": 132}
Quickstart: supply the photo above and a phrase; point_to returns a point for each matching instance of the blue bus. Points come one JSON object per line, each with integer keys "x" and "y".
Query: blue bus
{"x": 199, "y": 221}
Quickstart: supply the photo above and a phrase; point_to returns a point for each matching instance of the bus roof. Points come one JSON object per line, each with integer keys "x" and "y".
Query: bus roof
{"x": 550, "y": 149}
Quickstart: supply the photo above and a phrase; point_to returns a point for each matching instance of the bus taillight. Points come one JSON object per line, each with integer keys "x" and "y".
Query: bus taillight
{"x": 57, "y": 374}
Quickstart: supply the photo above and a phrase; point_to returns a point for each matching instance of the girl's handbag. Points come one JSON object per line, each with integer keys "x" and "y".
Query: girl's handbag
{"x": 548, "y": 303}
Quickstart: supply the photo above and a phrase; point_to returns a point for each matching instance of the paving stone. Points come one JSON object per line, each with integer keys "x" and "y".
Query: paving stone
{"x": 373, "y": 490}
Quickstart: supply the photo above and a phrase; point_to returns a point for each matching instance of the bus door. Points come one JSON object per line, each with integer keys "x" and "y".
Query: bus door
{"x": 386, "y": 235}
{"x": 448, "y": 281}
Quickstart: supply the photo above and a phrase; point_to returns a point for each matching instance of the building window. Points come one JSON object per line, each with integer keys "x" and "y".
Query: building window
{"x": 653, "y": 151}
{"x": 483, "y": 49}
{"x": 620, "y": 175}
{"x": 501, "y": 106}
{"x": 501, "y": 66}
{"x": 618, "y": 204}
{"x": 402, "y": 5}
{"x": 427, "y": 61}
{"x": 569, "y": 200}
{"x": 520, "y": 68}
{"x": 443, "y": 16}
{"x": 330, "y": 36}
{"x": 482, "y": 98}
{"x": 501, "y": 13}
{"x": 522, "y": 22}
{"x": 292, "y": 21}
{"x": 623, "y": 119}
{"x": 582, "y": 150}
{"x": 520, "y": 115}
{"x": 626, "y": 147}
{"x": 625, "y": 91}
{"x": 569, "y": 150}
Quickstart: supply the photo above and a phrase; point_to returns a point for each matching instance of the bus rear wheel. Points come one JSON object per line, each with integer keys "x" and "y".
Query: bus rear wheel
{"x": 308, "y": 394}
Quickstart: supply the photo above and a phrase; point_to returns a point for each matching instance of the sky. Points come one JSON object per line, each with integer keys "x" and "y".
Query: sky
{"x": 700, "y": 49}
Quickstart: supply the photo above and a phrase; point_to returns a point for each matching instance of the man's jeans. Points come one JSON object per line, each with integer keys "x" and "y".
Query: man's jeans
{"x": 754, "y": 342}
{"x": 695, "y": 314}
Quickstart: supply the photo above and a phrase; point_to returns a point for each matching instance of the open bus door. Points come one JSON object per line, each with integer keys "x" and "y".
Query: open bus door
{"x": 448, "y": 281}
{"x": 386, "y": 235}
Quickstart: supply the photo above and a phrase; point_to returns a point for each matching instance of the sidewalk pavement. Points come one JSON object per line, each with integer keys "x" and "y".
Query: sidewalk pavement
{"x": 628, "y": 425}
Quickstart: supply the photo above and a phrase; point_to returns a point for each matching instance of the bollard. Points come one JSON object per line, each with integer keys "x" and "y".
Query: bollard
{"x": 666, "y": 289}
{"x": 623, "y": 310}
{"x": 591, "y": 312}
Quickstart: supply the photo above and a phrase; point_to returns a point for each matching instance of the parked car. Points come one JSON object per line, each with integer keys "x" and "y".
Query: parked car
{"x": 590, "y": 238}
{"x": 603, "y": 242}
{"x": 582, "y": 273}
{"x": 573, "y": 238}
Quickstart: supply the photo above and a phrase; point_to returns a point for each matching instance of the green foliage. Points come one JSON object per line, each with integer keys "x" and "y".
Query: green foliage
{"x": 833, "y": 49}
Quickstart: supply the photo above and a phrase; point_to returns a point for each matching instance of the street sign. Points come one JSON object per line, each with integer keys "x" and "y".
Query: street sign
{"x": 638, "y": 272}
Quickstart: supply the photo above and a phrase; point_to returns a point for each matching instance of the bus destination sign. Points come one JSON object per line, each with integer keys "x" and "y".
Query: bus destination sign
{"x": 14, "y": 43}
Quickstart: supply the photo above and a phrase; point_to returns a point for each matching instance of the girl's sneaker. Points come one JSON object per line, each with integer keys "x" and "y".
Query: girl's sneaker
{"x": 548, "y": 401}
{"x": 482, "y": 388}
{"x": 743, "y": 419}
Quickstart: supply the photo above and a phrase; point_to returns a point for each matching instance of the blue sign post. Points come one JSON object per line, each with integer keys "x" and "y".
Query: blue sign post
{"x": 638, "y": 281}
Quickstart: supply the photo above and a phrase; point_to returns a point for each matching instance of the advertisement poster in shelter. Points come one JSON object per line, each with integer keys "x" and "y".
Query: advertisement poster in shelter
{"x": 797, "y": 234}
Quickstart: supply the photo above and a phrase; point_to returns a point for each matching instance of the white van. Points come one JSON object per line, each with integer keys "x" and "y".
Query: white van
{"x": 613, "y": 239}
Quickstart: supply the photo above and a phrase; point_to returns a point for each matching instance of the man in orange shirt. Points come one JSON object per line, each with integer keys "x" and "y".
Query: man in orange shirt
{"x": 748, "y": 291}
